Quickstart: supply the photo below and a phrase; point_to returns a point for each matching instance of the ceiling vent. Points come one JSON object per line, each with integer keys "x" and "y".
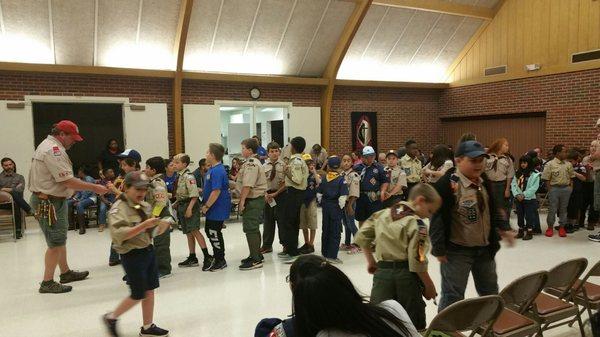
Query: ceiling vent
{"x": 586, "y": 56}
{"x": 495, "y": 71}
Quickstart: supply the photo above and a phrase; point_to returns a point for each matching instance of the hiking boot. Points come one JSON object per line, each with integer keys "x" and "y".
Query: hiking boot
{"x": 81, "y": 223}
{"x": 111, "y": 325}
{"x": 73, "y": 276}
{"x": 266, "y": 250}
{"x": 218, "y": 265}
{"x": 191, "y": 261}
{"x": 521, "y": 233}
{"x": 153, "y": 331}
{"x": 594, "y": 237}
{"x": 251, "y": 264}
{"x": 528, "y": 236}
{"x": 51, "y": 287}
{"x": 208, "y": 262}
{"x": 550, "y": 232}
{"x": 306, "y": 249}
{"x": 562, "y": 232}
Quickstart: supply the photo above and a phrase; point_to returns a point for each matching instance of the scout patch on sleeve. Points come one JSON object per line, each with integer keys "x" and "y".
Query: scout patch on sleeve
{"x": 56, "y": 151}
{"x": 191, "y": 180}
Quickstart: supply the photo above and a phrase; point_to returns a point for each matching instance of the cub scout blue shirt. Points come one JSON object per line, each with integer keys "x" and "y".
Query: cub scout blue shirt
{"x": 371, "y": 177}
{"x": 333, "y": 190}
{"x": 216, "y": 179}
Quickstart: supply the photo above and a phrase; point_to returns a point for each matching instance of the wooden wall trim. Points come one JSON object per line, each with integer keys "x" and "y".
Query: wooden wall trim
{"x": 180, "y": 43}
{"x": 93, "y": 70}
{"x": 439, "y": 6}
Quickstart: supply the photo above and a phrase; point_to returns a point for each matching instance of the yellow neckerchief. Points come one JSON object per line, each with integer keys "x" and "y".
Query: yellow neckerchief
{"x": 332, "y": 175}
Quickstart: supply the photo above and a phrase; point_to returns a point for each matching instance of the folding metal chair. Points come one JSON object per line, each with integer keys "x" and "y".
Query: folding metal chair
{"x": 518, "y": 297}
{"x": 468, "y": 315}
{"x": 549, "y": 309}
{"x": 7, "y": 215}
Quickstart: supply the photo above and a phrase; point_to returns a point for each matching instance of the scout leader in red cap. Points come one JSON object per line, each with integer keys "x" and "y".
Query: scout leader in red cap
{"x": 70, "y": 129}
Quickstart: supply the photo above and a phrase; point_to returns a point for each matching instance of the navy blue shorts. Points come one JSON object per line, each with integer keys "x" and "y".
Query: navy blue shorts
{"x": 142, "y": 271}
{"x": 366, "y": 207}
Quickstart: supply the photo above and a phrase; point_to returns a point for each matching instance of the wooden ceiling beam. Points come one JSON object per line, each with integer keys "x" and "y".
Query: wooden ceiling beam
{"x": 183, "y": 25}
{"x": 244, "y": 78}
{"x": 439, "y": 6}
{"x": 335, "y": 60}
{"x": 92, "y": 70}
{"x": 389, "y": 84}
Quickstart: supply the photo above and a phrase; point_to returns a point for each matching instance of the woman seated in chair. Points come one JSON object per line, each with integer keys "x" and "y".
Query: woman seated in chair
{"x": 81, "y": 200}
{"x": 326, "y": 304}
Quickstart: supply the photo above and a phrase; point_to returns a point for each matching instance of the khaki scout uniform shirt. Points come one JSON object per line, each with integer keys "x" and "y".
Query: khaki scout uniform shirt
{"x": 50, "y": 166}
{"x": 252, "y": 174}
{"x": 448, "y": 164}
{"x": 122, "y": 216}
{"x": 296, "y": 173}
{"x": 321, "y": 158}
{"x": 397, "y": 176}
{"x": 352, "y": 179}
{"x": 186, "y": 186}
{"x": 590, "y": 173}
{"x": 499, "y": 168}
{"x": 412, "y": 167}
{"x": 278, "y": 178}
{"x": 471, "y": 223}
{"x": 399, "y": 234}
{"x": 558, "y": 172}
{"x": 595, "y": 146}
{"x": 157, "y": 195}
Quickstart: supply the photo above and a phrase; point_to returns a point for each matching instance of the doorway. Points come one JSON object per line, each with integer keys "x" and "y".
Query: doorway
{"x": 97, "y": 123}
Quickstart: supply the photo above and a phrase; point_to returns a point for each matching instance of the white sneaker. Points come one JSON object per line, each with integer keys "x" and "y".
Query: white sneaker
{"x": 335, "y": 261}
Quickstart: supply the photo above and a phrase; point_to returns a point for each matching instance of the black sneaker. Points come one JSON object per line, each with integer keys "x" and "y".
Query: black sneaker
{"x": 595, "y": 237}
{"x": 251, "y": 264}
{"x": 218, "y": 265}
{"x": 208, "y": 262}
{"x": 191, "y": 261}
{"x": 521, "y": 233}
{"x": 528, "y": 236}
{"x": 111, "y": 325}
{"x": 73, "y": 276}
{"x": 153, "y": 331}
{"x": 261, "y": 257}
{"x": 570, "y": 229}
{"x": 306, "y": 249}
{"x": 51, "y": 287}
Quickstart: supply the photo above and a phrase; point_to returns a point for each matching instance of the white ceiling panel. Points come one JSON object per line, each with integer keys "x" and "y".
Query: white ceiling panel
{"x": 158, "y": 27}
{"x": 200, "y": 33}
{"x": 27, "y": 35}
{"x": 269, "y": 27}
{"x": 326, "y": 39}
{"x": 461, "y": 37}
{"x": 382, "y": 42}
{"x": 368, "y": 27}
{"x": 409, "y": 44}
{"x": 117, "y": 32}
{"x": 437, "y": 38}
{"x": 73, "y": 34}
{"x": 234, "y": 26}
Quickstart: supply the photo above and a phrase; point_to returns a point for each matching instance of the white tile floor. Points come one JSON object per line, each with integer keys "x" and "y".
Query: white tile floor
{"x": 196, "y": 303}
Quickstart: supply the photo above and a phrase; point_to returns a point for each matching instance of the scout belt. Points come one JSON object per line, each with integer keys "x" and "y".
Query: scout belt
{"x": 392, "y": 264}
{"x": 46, "y": 209}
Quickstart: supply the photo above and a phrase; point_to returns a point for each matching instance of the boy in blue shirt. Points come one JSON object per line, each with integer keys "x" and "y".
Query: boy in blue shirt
{"x": 217, "y": 203}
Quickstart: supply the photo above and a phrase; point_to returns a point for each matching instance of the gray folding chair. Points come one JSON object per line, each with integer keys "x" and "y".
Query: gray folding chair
{"x": 548, "y": 309}
{"x": 467, "y": 315}
{"x": 518, "y": 298}
{"x": 8, "y": 222}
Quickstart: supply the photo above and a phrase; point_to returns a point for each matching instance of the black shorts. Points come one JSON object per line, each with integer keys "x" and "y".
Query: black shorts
{"x": 142, "y": 271}
{"x": 366, "y": 207}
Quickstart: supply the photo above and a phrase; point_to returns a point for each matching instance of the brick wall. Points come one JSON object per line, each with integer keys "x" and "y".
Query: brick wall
{"x": 571, "y": 102}
{"x": 402, "y": 114}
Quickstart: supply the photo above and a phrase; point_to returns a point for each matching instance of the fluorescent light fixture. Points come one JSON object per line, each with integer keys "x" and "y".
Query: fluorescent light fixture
{"x": 236, "y": 119}
{"x": 21, "y": 48}
{"x": 229, "y": 108}
{"x": 139, "y": 56}
{"x": 234, "y": 63}
{"x": 377, "y": 71}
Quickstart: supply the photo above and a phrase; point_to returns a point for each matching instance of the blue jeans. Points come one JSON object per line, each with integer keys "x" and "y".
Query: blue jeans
{"x": 455, "y": 274}
{"x": 104, "y": 209}
{"x": 82, "y": 205}
{"x": 527, "y": 214}
{"x": 349, "y": 228}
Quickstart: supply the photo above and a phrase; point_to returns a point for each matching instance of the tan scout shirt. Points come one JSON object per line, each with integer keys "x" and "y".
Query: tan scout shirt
{"x": 50, "y": 166}
{"x": 470, "y": 219}
{"x": 412, "y": 167}
{"x": 124, "y": 215}
{"x": 296, "y": 173}
{"x": 157, "y": 195}
{"x": 448, "y": 164}
{"x": 595, "y": 146}
{"x": 499, "y": 168}
{"x": 252, "y": 174}
{"x": 352, "y": 179}
{"x": 278, "y": 178}
{"x": 590, "y": 173}
{"x": 399, "y": 234}
{"x": 558, "y": 172}
{"x": 397, "y": 176}
{"x": 186, "y": 186}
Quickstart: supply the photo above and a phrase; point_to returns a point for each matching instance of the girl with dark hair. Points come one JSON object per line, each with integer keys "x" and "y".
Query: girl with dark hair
{"x": 108, "y": 157}
{"x": 326, "y": 304}
{"x": 499, "y": 169}
{"x": 524, "y": 186}
{"x": 441, "y": 161}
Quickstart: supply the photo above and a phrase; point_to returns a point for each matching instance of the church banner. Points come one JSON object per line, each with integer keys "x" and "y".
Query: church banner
{"x": 364, "y": 130}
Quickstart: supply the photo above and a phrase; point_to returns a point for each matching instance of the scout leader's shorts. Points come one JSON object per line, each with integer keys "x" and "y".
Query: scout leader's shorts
{"x": 393, "y": 281}
{"x": 188, "y": 224}
{"x": 365, "y": 207}
{"x": 55, "y": 233}
{"x": 141, "y": 270}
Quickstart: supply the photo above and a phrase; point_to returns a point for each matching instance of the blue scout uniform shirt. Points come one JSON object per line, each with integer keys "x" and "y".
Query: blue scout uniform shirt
{"x": 169, "y": 181}
{"x": 311, "y": 190}
{"x": 261, "y": 152}
{"x": 333, "y": 189}
{"x": 371, "y": 177}
{"x": 216, "y": 179}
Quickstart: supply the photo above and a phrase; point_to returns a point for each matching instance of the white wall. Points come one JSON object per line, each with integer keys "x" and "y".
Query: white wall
{"x": 147, "y": 131}
{"x": 305, "y": 122}
{"x": 16, "y": 129}
{"x": 201, "y": 125}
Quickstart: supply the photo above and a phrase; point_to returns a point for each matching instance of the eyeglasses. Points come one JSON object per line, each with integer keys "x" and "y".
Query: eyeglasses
{"x": 287, "y": 279}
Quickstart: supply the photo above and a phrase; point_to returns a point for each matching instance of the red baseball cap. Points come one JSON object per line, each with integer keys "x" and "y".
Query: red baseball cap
{"x": 69, "y": 127}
